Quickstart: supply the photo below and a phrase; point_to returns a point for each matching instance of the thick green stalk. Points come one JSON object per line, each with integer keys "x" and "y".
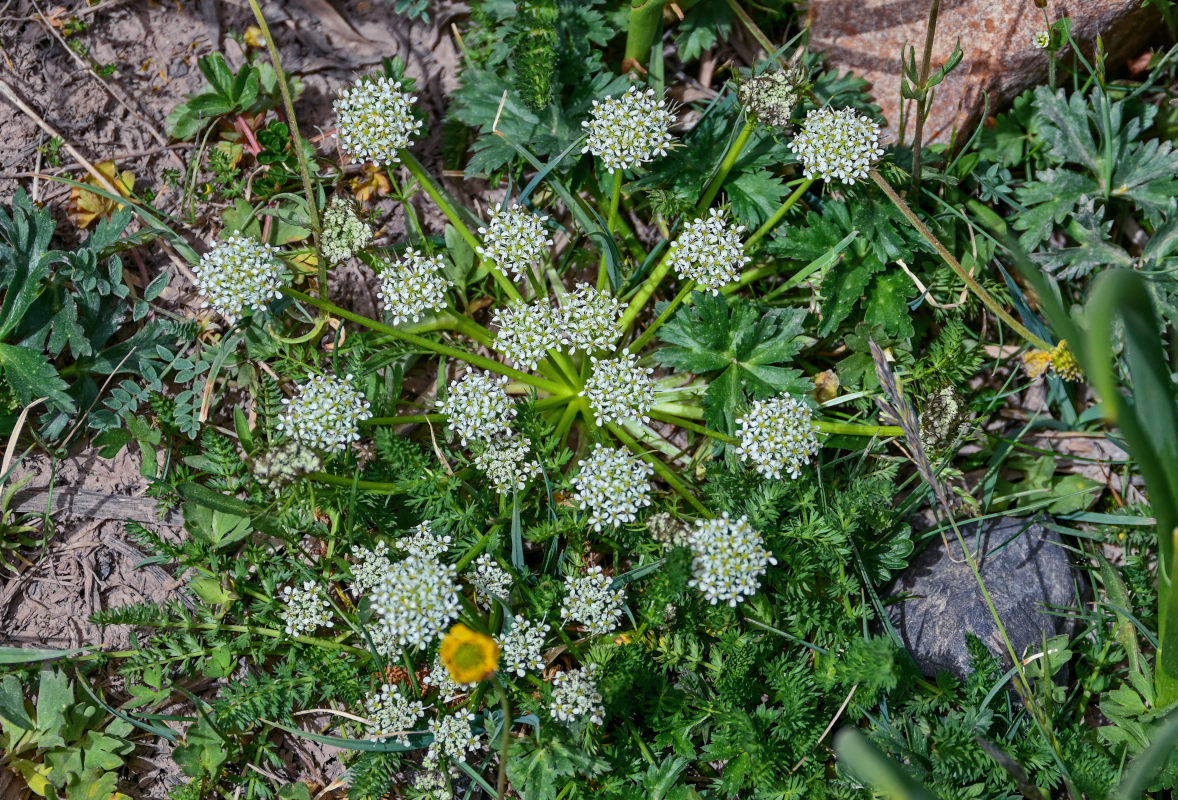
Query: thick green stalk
{"x": 377, "y": 487}
{"x": 646, "y": 291}
{"x": 717, "y": 181}
{"x": 648, "y": 334}
{"x": 778, "y": 215}
{"x": 955, "y": 265}
{"x": 692, "y": 426}
{"x": 645, "y": 18}
{"x": 470, "y": 358}
{"x": 857, "y": 429}
{"x": 664, "y": 472}
{"x": 615, "y": 200}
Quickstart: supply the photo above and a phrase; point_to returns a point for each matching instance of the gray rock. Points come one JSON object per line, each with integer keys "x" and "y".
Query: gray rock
{"x": 1026, "y": 571}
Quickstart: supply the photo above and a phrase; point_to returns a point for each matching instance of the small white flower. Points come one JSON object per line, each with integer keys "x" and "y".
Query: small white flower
{"x": 391, "y": 715}
{"x": 375, "y": 120}
{"x": 284, "y": 464}
{"x": 575, "y": 695}
{"x": 612, "y": 485}
{"x": 432, "y": 785}
{"x": 771, "y": 98}
{"x": 344, "y": 233}
{"x": 453, "y": 738}
{"x": 478, "y": 407}
{"x": 591, "y": 601}
{"x": 490, "y": 581}
{"x": 417, "y": 600}
{"x": 423, "y": 542}
{"x": 629, "y": 129}
{"x": 526, "y": 333}
{"x": 837, "y": 144}
{"x": 506, "y": 463}
{"x": 589, "y": 320}
{"x": 514, "y": 239}
{"x": 778, "y": 436}
{"x": 1042, "y": 39}
{"x": 618, "y": 389}
{"x": 306, "y": 609}
{"x": 237, "y": 275}
{"x": 369, "y": 567}
{"x": 709, "y": 251}
{"x": 412, "y": 286}
{"x": 449, "y": 690}
{"x": 730, "y": 558}
{"x": 325, "y": 414}
{"x": 521, "y": 648}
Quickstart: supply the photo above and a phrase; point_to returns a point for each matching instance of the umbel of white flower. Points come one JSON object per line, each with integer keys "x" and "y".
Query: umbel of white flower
{"x": 391, "y": 715}
{"x": 837, "y": 144}
{"x": 618, "y": 389}
{"x": 506, "y": 464}
{"x": 478, "y": 407}
{"x": 612, "y": 485}
{"x": 589, "y": 320}
{"x": 730, "y": 558}
{"x": 575, "y": 695}
{"x": 325, "y": 414}
{"x": 369, "y": 567}
{"x": 453, "y": 737}
{"x": 521, "y": 648}
{"x": 237, "y": 275}
{"x": 374, "y": 120}
{"x": 629, "y": 129}
{"x": 424, "y": 542}
{"x": 417, "y": 600}
{"x": 526, "y": 333}
{"x": 514, "y": 239}
{"x": 777, "y": 436}
{"x": 490, "y": 582}
{"x": 591, "y": 600}
{"x": 281, "y": 466}
{"x": 344, "y": 233}
{"x": 412, "y": 286}
{"x": 709, "y": 251}
{"x": 306, "y": 609}
{"x": 771, "y": 98}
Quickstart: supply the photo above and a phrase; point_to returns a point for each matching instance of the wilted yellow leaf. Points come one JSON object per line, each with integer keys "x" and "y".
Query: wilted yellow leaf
{"x": 85, "y": 207}
{"x": 371, "y": 182}
{"x": 253, "y": 36}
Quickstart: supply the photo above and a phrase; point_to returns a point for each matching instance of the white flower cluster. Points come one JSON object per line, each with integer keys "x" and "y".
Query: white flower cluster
{"x": 344, "y": 233}
{"x": 453, "y": 737}
{"x": 730, "y": 558}
{"x": 432, "y": 785}
{"x": 306, "y": 609}
{"x": 526, "y": 333}
{"x": 413, "y": 285}
{"x": 417, "y": 600}
{"x": 423, "y": 542}
{"x": 325, "y": 414}
{"x": 590, "y": 600}
{"x": 478, "y": 407}
{"x": 612, "y": 485}
{"x": 506, "y": 463}
{"x": 369, "y": 567}
{"x": 440, "y": 679}
{"x": 521, "y": 648}
{"x": 514, "y": 239}
{"x": 778, "y": 436}
{"x": 238, "y": 274}
{"x": 837, "y": 144}
{"x": 618, "y": 389}
{"x": 575, "y": 695}
{"x": 281, "y": 466}
{"x": 628, "y": 130}
{"x": 709, "y": 252}
{"x": 391, "y": 715}
{"x": 589, "y": 320}
{"x": 375, "y": 120}
{"x": 490, "y": 581}
{"x": 772, "y": 97}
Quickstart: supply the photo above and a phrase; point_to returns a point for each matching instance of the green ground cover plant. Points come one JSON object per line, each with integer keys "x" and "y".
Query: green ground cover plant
{"x": 605, "y": 498}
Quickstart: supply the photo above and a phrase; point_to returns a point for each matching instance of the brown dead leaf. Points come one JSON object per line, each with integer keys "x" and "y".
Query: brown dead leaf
{"x": 826, "y": 386}
{"x": 85, "y": 207}
{"x": 371, "y": 182}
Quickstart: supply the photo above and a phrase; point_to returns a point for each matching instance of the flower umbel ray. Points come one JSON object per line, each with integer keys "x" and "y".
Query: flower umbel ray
{"x": 470, "y": 656}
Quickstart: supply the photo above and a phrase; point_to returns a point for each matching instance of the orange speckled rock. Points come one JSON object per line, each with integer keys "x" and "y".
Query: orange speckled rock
{"x": 997, "y": 38}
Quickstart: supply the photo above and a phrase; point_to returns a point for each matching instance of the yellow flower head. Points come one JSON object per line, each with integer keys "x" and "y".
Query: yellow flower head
{"x": 469, "y": 656}
{"x": 1064, "y": 363}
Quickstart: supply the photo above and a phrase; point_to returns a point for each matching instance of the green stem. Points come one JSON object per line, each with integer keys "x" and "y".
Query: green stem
{"x": 615, "y": 200}
{"x": 441, "y": 349}
{"x": 955, "y": 265}
{"x": 330, "y": 644}
{"x": 377, "y": 487}
{"x": 404, "y": 419}
{"x": 566, "y": 420}
{"x": 443, "y": 203}
{"x": 778, "y": 215}
{"x": 645, "y": 18}
{"x": 646, "y": 291}
{"x": 922, "y": 101}
{"x": 664, "y": 472}
{"x": 505, "y": 745}
{"x": 296, "y": 142}
{"x": 726, "y": 165}
{"x": 665, "y": 315}
{"x": 692, "y": 426}
{"x": 857, "y": 429}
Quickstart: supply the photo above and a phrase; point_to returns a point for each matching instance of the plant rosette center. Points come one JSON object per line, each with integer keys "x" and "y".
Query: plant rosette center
{"x": 468, "y": 655}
